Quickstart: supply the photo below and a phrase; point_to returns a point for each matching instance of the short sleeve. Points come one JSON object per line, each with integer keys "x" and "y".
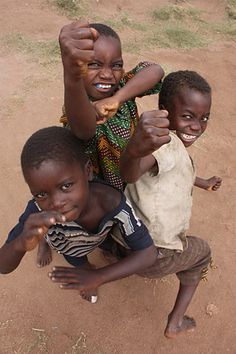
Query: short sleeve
{"x": 130, "y": 74}
{"x": 167, "y": 155}
{"x": 16, "y": 231}
{"x": 130, "y": 230}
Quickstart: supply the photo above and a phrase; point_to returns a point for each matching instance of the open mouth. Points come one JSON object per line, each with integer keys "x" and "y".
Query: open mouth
{"x": 103, "y": 87}
{"x": 188, "y": 137}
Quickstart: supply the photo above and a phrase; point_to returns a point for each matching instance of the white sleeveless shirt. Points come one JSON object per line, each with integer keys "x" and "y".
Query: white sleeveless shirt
{"x": 164, "y": 201}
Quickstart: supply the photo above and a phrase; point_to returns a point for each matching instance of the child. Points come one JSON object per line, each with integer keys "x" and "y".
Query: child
{"x": 95, "y": 88}
{"x": 74, "y": 214}
{"x": 163, "y": 178}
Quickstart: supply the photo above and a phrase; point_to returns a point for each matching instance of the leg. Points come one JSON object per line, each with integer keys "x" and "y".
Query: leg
{"x": 190, "y": 267}
{"x": 177, "y": 322}
{"x": 44, "y": 254}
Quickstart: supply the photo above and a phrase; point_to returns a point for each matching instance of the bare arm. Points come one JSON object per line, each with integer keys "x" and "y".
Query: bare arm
{"x": 209, "y": 184}
{"x": 142, "y": 81}
{"x": 75, "y": 278}
{"x": 35, "y": 228}
{"x": 150, "y": 134}
{"x": 76, "y": 43}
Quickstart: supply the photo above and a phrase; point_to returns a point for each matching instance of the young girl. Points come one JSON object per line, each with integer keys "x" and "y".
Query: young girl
{"x": 96, "y": 88}
{"x": 163, "y": 179}
{"x": 74, "y": 214}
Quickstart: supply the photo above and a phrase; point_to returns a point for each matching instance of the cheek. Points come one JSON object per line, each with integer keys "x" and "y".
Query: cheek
{"x": 119, "y": 75}
{"x": 203, "y": 126}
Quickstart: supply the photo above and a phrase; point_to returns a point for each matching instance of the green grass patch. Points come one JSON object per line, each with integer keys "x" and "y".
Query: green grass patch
{"x": 73, "y": 9}
{"x": 176, "y": 13}
{"x": 230, "y": 9}
{"x": 42, "y": 51}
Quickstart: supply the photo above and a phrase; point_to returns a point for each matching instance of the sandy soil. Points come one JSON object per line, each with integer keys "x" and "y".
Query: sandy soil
{"x": 130, "y": 317}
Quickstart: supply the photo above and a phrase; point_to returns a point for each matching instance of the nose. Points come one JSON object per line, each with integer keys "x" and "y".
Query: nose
{"x": 196, "y": 125}
{"x": 106, "y": 73}
{"x": 57, "y": 202}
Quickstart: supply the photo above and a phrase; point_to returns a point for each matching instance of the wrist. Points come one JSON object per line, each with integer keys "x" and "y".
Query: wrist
{"x": 120, "y": 99}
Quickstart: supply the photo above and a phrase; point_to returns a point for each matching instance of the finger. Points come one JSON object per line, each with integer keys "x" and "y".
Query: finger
{"x": 161, "y": 140}
{"x": 156, "y": 122}
{"x": 154, "y": 131}
{"x": 64, "y": 280}
{"x": 60, "y": 268}
{"x": 52, "y": 217}
{"x": 70, "y": 286}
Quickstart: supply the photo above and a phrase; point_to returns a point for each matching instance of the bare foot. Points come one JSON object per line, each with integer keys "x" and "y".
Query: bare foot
{"x": 188, "y": 324}
{"x": 90, "y": 296}
{"x": 44, "y": 255}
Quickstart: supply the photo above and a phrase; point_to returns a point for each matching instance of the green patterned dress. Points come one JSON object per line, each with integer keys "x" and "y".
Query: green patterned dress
{"x": 112, "y": 136}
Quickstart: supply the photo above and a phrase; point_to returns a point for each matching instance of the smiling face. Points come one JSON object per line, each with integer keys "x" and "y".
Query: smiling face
{"x": 61, "y": 187}
{"x": 106, "y": 70}
{"x": 188, "y": 114}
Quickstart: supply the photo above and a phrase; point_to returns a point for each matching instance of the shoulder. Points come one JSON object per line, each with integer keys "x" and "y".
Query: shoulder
{"x": 107, "y": 196}
{"x": 169, "y": 155}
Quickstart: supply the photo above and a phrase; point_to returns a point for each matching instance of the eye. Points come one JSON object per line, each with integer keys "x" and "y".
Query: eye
{"x": 187, "y": 116}
{"x": 205, "y": 119}
{"x": 66, "y": 187}
{"x": 40, "y": 195}
{"x": 94, "y": 65}
{"x": 117, "y": 66}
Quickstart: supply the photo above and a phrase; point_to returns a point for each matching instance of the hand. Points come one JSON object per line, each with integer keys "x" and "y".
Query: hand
{"x": 75, "y": 278}
{"x": 213, "y": 183}
{"x": 77, "y": 43}
{"x": 150, "y": 134}
{"x": 106, "y": 108}
{"x": 36, "y": 226}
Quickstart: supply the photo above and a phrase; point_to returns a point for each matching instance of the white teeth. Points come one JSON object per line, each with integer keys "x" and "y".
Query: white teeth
{"x": 189, "y": 137}
{"x": 103, "y": 86}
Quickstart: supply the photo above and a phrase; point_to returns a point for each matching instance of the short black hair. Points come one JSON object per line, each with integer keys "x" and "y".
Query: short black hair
{"x": 105, "y": 30}
{"x": 174, "y": 82}
{"x": 52, "y": 143}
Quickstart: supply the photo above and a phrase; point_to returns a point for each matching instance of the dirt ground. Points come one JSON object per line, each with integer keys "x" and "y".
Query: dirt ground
{"x": 130, "y": 317}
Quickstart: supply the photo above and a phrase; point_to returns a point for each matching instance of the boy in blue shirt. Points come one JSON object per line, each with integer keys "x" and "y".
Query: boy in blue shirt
{"x": 74, "y": 213}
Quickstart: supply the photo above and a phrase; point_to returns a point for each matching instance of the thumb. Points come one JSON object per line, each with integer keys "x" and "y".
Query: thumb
{"x": 95, "y": 33}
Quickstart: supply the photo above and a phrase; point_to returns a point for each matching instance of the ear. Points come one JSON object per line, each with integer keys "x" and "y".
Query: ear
{"x": 89, "y": 170}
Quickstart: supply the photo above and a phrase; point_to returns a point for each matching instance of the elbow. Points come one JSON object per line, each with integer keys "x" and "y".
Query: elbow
{"x": 159, "y": 72}
{"x": 83, "y": 135}
{"x": 5, "y": 271}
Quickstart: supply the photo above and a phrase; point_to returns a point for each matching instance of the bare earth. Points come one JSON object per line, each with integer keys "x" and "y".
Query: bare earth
{"x": 130, "y": 317}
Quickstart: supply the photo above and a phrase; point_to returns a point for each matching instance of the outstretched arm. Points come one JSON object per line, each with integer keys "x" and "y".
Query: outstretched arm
{"x": 150, "y": 134}
{"x": 210, "y": 184}
{"x": 77, "y": 43}
{"x": 35, "y": 227}
{"x": 74, "y": 278}
{"x": 142, "y": 81}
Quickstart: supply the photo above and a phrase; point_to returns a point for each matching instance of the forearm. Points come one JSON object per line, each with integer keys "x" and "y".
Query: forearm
{"x": 132, "y": 167}
{"x": 79, "y": 110}
{"x": 144, "y": 80}
{"x": 131, "y": 264}
{"x": 200, "y": 183}
{"x": 11, "y": 255}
